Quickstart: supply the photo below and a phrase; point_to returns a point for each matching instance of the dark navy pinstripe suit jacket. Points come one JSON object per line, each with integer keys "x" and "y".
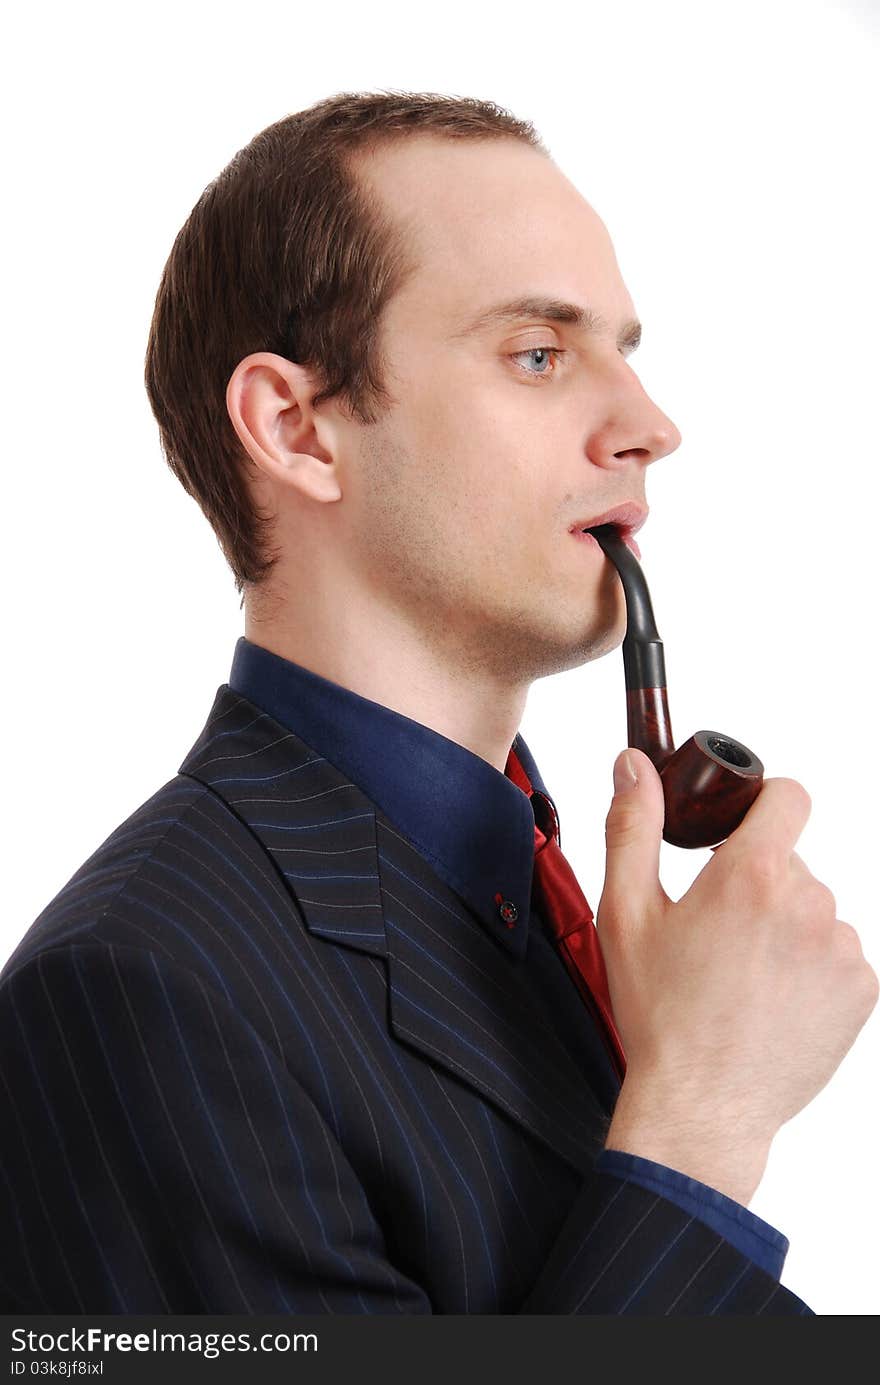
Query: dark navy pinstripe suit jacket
{"x": 256, "y": 1056}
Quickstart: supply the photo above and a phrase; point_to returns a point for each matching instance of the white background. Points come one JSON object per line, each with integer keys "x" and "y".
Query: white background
{"x": 731, "y": 151}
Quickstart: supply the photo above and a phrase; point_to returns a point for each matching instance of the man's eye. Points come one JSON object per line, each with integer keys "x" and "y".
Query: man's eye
{"x": 539, "y": 351}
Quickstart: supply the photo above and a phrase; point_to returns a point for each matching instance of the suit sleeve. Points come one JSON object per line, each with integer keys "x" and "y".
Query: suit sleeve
{"x": 755, "y": 1237}
{"x": 628, "y": 1249}
{"x": 157, "y": 1156}
{"x": 160, "y": 1158}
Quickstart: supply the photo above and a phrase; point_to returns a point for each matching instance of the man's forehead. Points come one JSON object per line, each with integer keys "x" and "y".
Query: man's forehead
{"x": 500, "y": 233}
{"x": 471, "y": 193}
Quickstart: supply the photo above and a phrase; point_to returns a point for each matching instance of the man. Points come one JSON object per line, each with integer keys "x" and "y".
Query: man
{"x": 299, "y": 1036}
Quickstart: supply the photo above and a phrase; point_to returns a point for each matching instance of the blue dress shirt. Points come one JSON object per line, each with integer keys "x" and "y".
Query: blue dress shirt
{"x": 476, "y": 828}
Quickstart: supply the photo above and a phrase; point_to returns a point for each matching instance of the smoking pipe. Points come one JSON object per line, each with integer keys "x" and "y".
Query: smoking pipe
{"x": 709, "y": 782}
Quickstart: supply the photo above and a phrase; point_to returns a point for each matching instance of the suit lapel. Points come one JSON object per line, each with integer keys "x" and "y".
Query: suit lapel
{"x": 456, "y": 995}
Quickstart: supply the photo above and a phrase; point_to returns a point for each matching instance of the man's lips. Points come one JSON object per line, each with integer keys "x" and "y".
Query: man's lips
{"x": 625, "y": 534}
{"x": 627, "y": 518}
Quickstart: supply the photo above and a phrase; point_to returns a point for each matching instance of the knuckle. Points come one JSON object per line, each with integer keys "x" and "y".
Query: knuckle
{"x": 848, "y": 939}
{"x": 797, "y": 793}
{"x": 871, "y": 987}
{"x": 847, "y": 932}
{"x": 815, "y": 911}
{"x": 622, "y": 827}
{"x": 824, "y": 903}
{"x": 764, "y": 869}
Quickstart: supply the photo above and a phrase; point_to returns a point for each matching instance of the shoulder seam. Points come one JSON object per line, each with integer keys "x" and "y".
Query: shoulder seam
{"x": 124, "y": 883}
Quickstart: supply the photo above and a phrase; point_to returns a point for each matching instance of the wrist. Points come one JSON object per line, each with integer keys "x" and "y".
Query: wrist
{"x": 692, "y": 1137}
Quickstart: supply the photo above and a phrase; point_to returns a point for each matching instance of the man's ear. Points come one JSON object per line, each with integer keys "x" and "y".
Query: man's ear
{"x": 269, "y": 400}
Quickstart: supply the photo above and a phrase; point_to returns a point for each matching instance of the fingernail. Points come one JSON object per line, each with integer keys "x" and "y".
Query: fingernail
{"x": 625, "y": 776}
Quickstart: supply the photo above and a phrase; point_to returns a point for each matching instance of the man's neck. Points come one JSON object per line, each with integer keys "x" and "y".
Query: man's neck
{"x": 406, "y": 675}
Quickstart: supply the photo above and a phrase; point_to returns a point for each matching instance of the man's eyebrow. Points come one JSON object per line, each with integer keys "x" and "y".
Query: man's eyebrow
{"x": 585, "y": 319}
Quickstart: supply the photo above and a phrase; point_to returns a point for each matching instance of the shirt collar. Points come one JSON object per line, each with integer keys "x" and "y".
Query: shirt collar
{"x": 475, "y": 825}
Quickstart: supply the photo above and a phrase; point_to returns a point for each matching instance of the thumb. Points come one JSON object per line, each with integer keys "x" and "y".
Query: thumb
{"x": 633, "y": 832}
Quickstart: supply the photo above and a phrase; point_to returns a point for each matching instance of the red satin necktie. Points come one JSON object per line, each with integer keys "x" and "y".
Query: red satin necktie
{"x": 567, "y": 913}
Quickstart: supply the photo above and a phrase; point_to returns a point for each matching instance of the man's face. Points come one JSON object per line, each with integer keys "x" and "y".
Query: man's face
{"x": 458, "y": 503}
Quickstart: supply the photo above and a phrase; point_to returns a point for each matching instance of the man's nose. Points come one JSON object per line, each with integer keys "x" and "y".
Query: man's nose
{"x": 665, "y": 437}
{"x": 645, "y": 431}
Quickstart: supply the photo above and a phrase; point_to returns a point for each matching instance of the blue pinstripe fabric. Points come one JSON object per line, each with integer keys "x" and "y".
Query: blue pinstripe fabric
{"x": 258, "y": 1056}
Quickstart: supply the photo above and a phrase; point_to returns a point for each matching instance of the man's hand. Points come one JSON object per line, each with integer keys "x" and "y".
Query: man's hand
{"x": 737, "y": 1003}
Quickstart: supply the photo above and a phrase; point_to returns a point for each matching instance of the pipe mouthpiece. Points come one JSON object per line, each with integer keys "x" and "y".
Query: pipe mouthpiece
{"x": 643, "y": 662}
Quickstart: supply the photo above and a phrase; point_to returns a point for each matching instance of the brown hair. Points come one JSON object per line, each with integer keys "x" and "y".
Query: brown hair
{"x": 285, "y": 251}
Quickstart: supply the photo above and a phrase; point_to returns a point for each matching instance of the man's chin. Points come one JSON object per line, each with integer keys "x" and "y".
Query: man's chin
{"x": 545, "y": 656}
